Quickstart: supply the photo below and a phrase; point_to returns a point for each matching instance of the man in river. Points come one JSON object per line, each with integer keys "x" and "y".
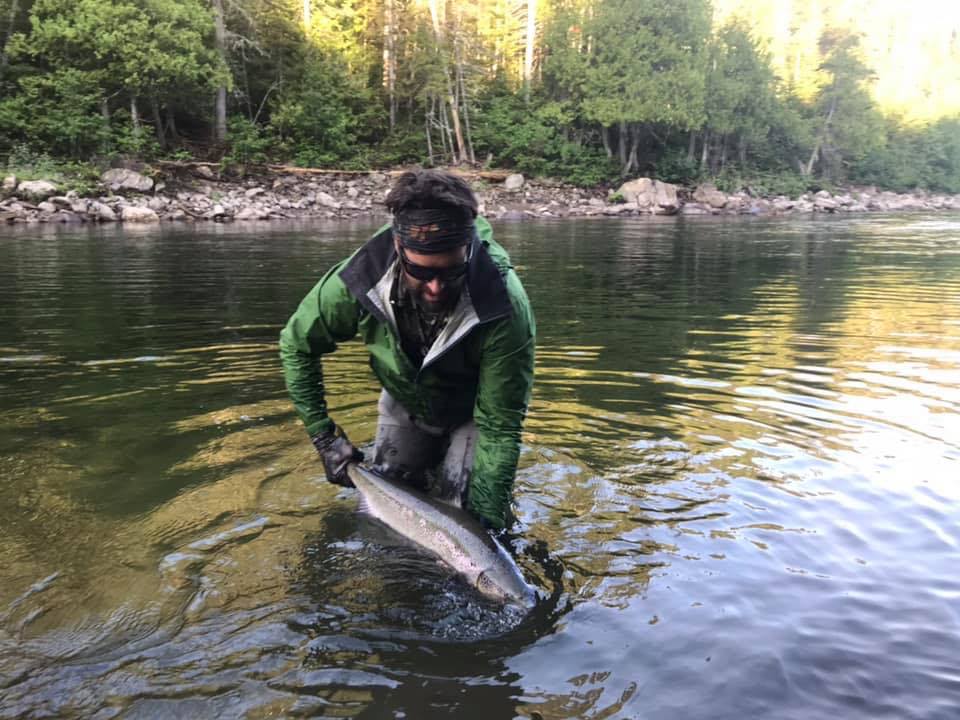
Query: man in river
{"x": 450, "y": 334}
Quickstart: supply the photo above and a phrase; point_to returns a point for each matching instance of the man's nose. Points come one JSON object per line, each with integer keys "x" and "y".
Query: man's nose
{"x": 434, "y": 286}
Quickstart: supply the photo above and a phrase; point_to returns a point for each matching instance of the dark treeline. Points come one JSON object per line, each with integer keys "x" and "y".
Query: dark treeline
{"x": 584, "y": 90}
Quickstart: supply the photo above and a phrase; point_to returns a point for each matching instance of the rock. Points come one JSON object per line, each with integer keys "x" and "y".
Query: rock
{"x": 253, "y": 192}
{"x": 157, "y": 203}
{"x": 694, "y": 209}
{"x": 513, "y": 215}
{"x": 65, "y": 216}
{"x": 135, "y": 214}
{"x": 177, "y": 214}
{"x": 46, "y": 207}
{"x": 352, "y": 193}
{"x": 36, "y": 190}
{"x": 783, "y": 204}
{"x": 825, "y": 204}
{"x": 326, "y": 200}
{"x": 708, "y": 195}
{"x": 618, "y": 209}
{"x": 122, "y": 179}
{"x": 250, "y": 213}
{"x": 760, "y": 207}
{"x": 823, "y": 194}
{"x": 666, "y": 200}
{"x": 638, "y": 192}
{"x": 377, "y": 178}
{"x": 101, "y": 211}
{"x": 514, "y": 182}
{"x": 596, "y": 202}
{"x": 205, "y": 172}
{"x": 9, "y": 184}
{"x": 80, "y": 207}
{"x": 62, "y": 202}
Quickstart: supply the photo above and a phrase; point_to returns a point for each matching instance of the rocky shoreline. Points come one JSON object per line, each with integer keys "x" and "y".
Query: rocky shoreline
{"x": 197, "y": 193}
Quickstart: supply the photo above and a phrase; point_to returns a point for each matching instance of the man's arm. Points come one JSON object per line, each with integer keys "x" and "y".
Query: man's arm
{"x": 506, "y": 378}
{"x": 326, "y": 316}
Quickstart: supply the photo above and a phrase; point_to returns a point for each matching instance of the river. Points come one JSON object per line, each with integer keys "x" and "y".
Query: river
{"x": 739, "y": 490}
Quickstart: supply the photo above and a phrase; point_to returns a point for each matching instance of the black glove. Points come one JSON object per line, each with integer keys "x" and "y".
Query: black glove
{"x": 336, "y": 452}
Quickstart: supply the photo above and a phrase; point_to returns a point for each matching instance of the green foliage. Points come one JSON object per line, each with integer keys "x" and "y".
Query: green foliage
{"x": 534, "y": 140}
{"x": 619, "y": 87}
{"x": 28, "y": 164}
{"x": 323, "y": 120}
{"x": 249, "y": 144}
{"x": 763, "y": 183}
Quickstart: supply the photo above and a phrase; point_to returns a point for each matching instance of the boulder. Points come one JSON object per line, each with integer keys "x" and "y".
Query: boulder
{"x": 596, "y": 202}
{"x": 135, "y": 214}
{"x": 326, "y": 200}
{"x": 101, "y": 211}
{"x": 122, "y": 179}
{"x": 666, "y": 200}
{"x": 708, "y": 195}
{"x": 638, "y": 192}
{"x": 253, "y": 192}
{"x": 46, "y": 207}
{"x": 513, "y": 182}
{"x": 694, "y": 209}
{"x": 36, "y": 190}
{"x": 9, "y": 184}
{"x": 249, "y": 213}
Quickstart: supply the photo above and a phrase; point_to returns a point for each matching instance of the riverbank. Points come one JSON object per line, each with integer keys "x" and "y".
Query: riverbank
{"x": 192, "y": 192}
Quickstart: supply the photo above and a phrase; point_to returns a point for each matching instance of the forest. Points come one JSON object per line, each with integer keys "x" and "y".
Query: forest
{"x": 780, "y": 95}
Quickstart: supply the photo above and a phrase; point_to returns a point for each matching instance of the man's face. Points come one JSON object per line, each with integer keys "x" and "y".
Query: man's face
{"x": 437, "y": 293}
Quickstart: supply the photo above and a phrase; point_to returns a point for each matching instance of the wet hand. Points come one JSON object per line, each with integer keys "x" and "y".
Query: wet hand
{"x": 336, "y": 452}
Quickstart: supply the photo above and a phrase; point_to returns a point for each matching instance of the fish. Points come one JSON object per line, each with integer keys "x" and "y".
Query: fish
{"x": 450, "y": 533}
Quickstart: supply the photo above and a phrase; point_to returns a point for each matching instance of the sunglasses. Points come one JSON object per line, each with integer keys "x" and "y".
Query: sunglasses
{"x": 427, "y": 274}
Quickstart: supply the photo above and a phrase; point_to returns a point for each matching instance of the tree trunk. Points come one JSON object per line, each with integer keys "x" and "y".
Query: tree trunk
{"x": 457, "y": 153}
{"x": 307, "y": 14}
{"x": 605, "y": 136}
{"x": 134, "y": 116}
{"x": 692, "y": 147}
{"x": 808, "y": 170}
{"x": 705, "y": 152}
{"x": 389, "y": 59}
{"x": 158, "y": 123}
{"x": 622, "y": 145}
{"x": 12, "y": 18}
{"x": 220, "y": 39}
{"x": 172, "y": 126}
{"x": 105, "y": 111}
{"x": 428, "y": 127}
{"x": 466, "y": 112}
{"x": 723, "y": 153}
{"x": 531, "y": 39}
{"x": 632, "y": 162}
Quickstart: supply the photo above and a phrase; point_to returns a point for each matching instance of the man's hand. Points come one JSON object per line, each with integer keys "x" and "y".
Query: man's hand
{"x": 336, "y": 452}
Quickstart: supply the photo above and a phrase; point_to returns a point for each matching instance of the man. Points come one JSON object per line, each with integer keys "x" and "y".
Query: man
{"x": 450, "y": 334}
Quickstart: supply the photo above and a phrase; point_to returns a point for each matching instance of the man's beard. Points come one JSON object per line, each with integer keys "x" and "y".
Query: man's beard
{"x": 448, "y": 297}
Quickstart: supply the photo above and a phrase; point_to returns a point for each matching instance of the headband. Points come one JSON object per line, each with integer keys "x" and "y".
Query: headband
{"x": 430, "y": 231}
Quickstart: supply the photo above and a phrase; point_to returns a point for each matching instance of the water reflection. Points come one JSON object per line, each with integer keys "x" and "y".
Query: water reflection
{"x": 737, "y": 487}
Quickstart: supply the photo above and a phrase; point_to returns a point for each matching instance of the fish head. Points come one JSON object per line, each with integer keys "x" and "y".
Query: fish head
{"x": 506, "y": 589}
{"x": 503, "y": 581}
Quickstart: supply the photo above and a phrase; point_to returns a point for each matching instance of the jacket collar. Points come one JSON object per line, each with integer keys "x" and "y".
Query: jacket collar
{"x": 485, "y": 283}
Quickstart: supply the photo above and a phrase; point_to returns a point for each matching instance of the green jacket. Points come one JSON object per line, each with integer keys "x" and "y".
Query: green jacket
{"x": 480, "y": 367}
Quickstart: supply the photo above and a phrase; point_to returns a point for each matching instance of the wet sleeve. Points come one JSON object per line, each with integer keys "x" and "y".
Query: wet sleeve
{"x": 506, "y": 379}
{"x": 326, "y": 316}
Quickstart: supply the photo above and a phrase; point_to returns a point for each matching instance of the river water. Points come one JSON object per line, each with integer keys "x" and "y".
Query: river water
{"x": 738, "y": 490}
